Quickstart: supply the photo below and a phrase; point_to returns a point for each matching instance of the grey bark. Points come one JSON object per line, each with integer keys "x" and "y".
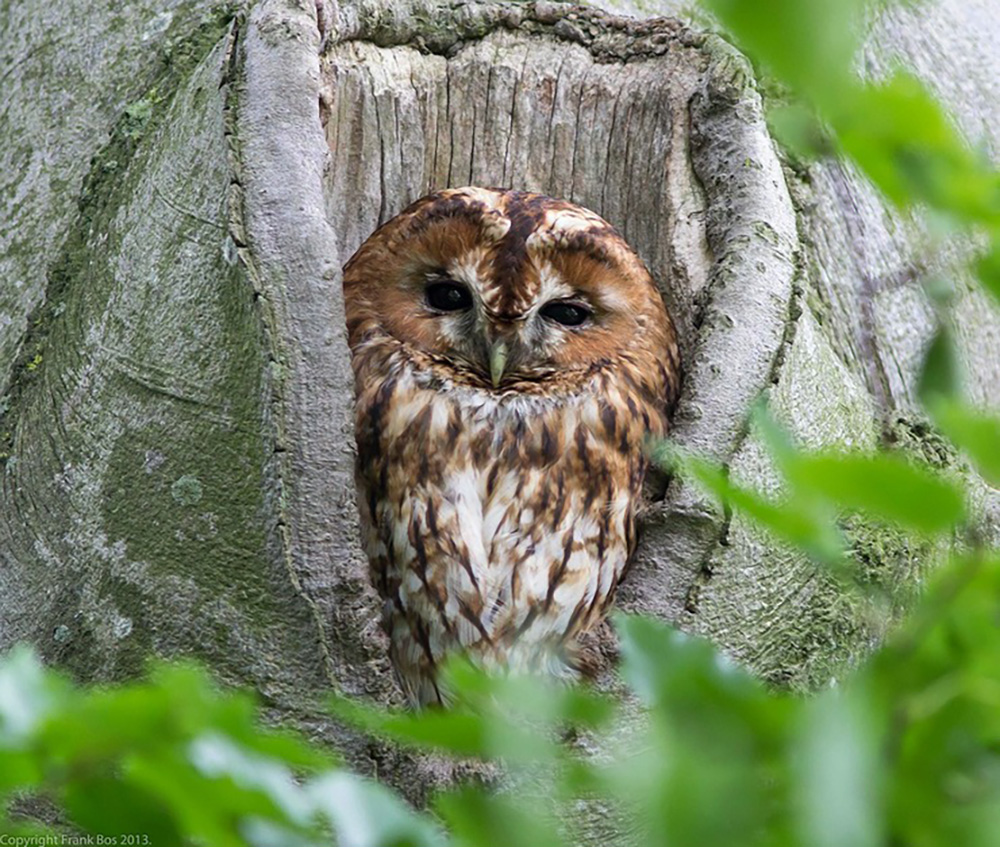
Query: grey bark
{"x": 181, "y": 184}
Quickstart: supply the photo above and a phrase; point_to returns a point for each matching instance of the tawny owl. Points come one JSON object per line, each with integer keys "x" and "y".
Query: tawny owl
{"x": 512, "y": 357}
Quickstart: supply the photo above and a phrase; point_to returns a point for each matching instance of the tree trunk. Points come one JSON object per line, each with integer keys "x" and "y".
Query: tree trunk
{"x": 181, "y": 184}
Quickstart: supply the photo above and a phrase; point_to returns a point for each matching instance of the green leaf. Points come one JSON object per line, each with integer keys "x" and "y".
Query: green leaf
{"x": 28, "y": 695}
{"x": 895, "y": 130}
{"x": 176, "y": 705}
{"x": 940, "y": 375}
{"x": 988, "y": 269}
{"x": 540, "y": 699}
{"x": 976, "y": 434}
{"x": 19, "y": 770}
{"x": 799, "y": 130}
{"x": 216, "y": 756}
{"x": 904, "y": 141}
{"x": 775, "y": 437}
{"x": 505, "y": 715}
{"x": 662, "y": 664}
{"x": 366, "y": 814}
{"x": 103, "y": 804}
{"x": 884, "y": 486}
{"x": 940, "y": 680}
{"x": 204, "y": 810}
{"x": 838, "y": 770}
{"x": 713, "y": 732}
{"x": 106, "y": 724}
{"x": 478, "y": 819}
{"x": 806, "y": 43}
{"x": 460, "y": 732}
{"x": 261, "y": 832}
{"x": 804, "y": 524}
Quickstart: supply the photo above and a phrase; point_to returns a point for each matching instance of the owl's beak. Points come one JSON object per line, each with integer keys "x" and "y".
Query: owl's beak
{"x": 498, "y": 361}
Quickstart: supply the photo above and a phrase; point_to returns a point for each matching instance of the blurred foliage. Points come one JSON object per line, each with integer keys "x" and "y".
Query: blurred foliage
{"x": 173, "y": 761}
{"x": 905, "y": 751}
{"x": 893, "y": 128}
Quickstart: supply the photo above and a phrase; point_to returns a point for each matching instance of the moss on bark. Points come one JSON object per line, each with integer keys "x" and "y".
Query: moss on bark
{"x": 138, "y": 500}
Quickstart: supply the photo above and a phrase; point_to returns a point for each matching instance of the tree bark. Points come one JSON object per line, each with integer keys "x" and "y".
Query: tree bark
{"x": 182, "y": 183}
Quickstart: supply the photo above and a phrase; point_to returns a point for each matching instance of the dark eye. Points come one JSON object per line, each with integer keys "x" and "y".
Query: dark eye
{"x": 448, "y": 296}
{"x": 567, "y": 314}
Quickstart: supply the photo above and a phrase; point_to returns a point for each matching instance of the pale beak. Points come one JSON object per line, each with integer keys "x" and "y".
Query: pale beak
{"x": 498, "y": 361}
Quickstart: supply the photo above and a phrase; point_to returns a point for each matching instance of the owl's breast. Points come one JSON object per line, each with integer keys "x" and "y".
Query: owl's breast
{"x": 497, "y": 523}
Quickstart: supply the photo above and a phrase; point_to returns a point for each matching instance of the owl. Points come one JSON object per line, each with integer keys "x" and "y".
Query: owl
{"x": 512, "y": 359}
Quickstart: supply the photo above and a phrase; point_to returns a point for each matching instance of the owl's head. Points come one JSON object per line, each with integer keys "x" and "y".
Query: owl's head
{"x": 506, "y": 290}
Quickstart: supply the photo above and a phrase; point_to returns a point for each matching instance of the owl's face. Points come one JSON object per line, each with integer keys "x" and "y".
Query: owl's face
{"x": 504, "y": 289}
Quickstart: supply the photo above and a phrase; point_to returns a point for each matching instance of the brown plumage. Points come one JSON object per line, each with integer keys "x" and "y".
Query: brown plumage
{"x": 512, "y": 356}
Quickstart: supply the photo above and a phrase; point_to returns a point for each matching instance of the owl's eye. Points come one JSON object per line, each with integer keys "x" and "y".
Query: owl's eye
{"x": 567, "y": 314}
{"x": 448, "y": 296}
